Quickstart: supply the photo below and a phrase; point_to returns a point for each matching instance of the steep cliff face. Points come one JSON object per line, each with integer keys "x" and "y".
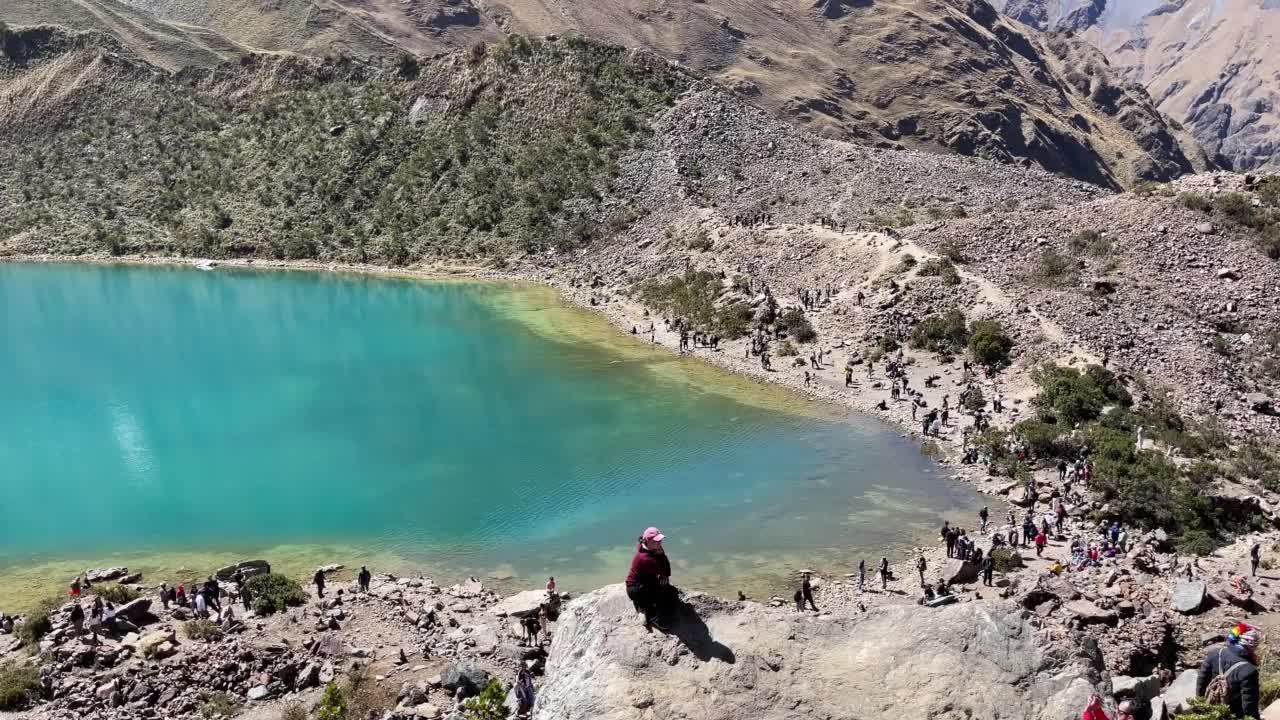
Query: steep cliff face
{"x": 1211, "y": 65}
{"x": 727, "y": 661}
{"x": 931, "y": 74}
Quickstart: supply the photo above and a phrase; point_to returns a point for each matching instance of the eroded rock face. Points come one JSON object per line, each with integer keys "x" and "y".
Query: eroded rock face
{"x": 727, "y": 661}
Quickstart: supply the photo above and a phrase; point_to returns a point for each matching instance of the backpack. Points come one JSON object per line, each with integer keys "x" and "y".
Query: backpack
{"x": 1218, "y": 691}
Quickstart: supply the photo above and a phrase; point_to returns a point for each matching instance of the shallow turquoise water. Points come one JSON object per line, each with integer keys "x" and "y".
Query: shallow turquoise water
{"x": 153, "y": 409}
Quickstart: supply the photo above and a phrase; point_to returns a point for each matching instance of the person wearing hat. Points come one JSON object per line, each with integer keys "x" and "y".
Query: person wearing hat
{"x": 649, "y": 580}
{"x": 1238, "y": 662}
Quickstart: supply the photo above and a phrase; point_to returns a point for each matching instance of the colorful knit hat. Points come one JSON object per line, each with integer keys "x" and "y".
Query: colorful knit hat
{"x": 1245, "y": 636}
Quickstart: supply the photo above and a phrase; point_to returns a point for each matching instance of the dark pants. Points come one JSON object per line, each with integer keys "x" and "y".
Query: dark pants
{"x": 319, "y": 589}
{"x": 951, "y": 546}
{"x": 986, "y": 577}
{"x": 655, "y": 601}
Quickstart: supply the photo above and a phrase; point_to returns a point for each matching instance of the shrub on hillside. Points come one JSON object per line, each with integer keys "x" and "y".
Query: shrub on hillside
{"x": 203, "y": 630}
{"x": 490, "y": 704}
{"x": 333, "y": 704}
{"x": 942, "y": 268}
{"x": 1091, "y": 242}
{"x": 115, "y": 593}
{"x": 794, "y": 323}
{"x": 273, "y": 593}
{"x": 293, "y": 711}
{"x": 951, "y": 250}
{"x": 1005, "y": 560}
{"x": 989, "y": 344}
{"x": 1195, "y": 201}
{"x": 1053, "y": 267}
{"x": 36, "y": 624}
{"x": 219, "y": 705}
{"x": 1200, "y": 709}
{"x": 946, "y": 333}
{"x": 1075, "y": 396}
{"x": 19, "y": 686}
{"x": 1043, "y": 439}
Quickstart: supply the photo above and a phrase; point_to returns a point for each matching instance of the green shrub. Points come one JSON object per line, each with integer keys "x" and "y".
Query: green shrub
{"x": 1269, "y": 673}
{"x": 219, "y": 705}
{"x": 906, "y": 264}
{"x": 786, "y": 349}
{"x": 794, "y": 323}
{"x": 989, "y": 344}
{"x": 293, "y": 711}
{"x": 36, "y": 624}
{"x": 942, "y": 268}
{"x": 975, "y": 400}
{"x": 700, "y": 242}
{"x": 1237, "y": 208}
{"x": 490, "y": 704}
{"x": 1075, "y": 396}
{"x": 19, "y": 685}
{"x": 273, "y": 593}
{"x": 887, "y": 344}
{"x": 1044, "y": 440}
{"x": 951, "y": 250}
{"x": 946, "y": 333}
{"x": 115, "y": 593}
{"x": 1005, "y": 560}
{"x": 333, "y": 704}
{"x": 1268, "y": 190}
{"x": 1200, "y": 709}
{"x": 1195, "y": 201}
{"x": 1053, "y": 267}
{"x": 203, "y": 630}
{"x": 1091, "y": 242}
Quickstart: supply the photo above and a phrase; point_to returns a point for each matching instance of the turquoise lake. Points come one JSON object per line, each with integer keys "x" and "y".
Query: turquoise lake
{"x": 167, "y": 417}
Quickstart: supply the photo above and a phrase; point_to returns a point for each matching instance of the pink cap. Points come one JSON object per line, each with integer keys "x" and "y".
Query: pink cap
{"x": 654, "y": 534}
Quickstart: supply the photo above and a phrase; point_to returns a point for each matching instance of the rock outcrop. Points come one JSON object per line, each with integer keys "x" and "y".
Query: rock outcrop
{"x": 737, "y": 660}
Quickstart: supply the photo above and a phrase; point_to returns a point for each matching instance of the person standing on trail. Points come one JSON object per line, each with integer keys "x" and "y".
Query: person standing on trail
{"x": 862, "y": 574}
{"x": 848, "y": 375}
{"x": 318, "y": 579}
{"x": 884, "y": 573}
{"x": 1229, "y": 674}
{"x": 983, "y": 514}
{"x": 1041, "y": 541}
{"x": 806, "y": 593}
{"x": 363, "y": 579}
{"x": 1255, "y": 558}
{"x": 921, "y": 566}
{"x": 988, "y": 569}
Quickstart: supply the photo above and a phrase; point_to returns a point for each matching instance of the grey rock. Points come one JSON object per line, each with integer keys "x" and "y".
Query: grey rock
{"x": 728, "y": 661}
{"x": 527, "y": 603}
{"x": 308, "y": 676}
{"x": 248, "y": 568}
{"x": 1141, "y": 689}
{"x": 1206, "y": 228}
{"x": 961, "y": 572}
{"x": 136, "y": 611}
{"x": 259, "y": 693}
{"x": 1089, "y": 613}
{"x": 1188, "y": 597}
{"x": 101, "y": 575}
{"x": 470, "y": 678}
{"x": 1180, "y": 691}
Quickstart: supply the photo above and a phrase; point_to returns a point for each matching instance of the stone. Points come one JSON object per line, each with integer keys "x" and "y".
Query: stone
{"x": 470, "y": 678}
{"x": 1142, "y": 689}
{"x": 527, "y": 603}
{"x": 329, "y": 569}
{"x": 1188, "y": 597}
{"x": 248, "y": 568}
{"x": 136, "y": 611}
{"x": 1089, "y": 613}
{"x": 1020, "y": 496}
{"x": 1272, "y": 711}
{"x": 427, "y": 711}
{"x": 308, "y": 676}
{"x": 1261, "y": 403}
{"x": 1228, "y": 274}
{"x": 1210, "y": 638}
{"x": 106, "y": 689}
{"x": 327, "y": 673}
{"x": 152, "y": 645}
{"x": 1159, "y": 710}
{"x": 1180, "y": 691}
{"x": 738, "y": 660}
{"x": 102, "y": 575}
{"x": 1205, "y": 228}
{"x": 960, "y": 572}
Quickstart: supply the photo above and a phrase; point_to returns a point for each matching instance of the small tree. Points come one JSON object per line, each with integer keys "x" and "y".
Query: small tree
{"x": 794, "y": 323}
{"x": 989, "y": 344}
{"x": 490, "y": 704}
{"x": 273, "y": 593}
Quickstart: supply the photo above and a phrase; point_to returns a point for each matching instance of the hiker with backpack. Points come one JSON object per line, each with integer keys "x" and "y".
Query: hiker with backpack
{"x": 1229, "y": 674}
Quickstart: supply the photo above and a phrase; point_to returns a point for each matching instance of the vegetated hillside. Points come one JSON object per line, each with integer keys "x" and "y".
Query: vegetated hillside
{"x": 934, "y": 74}
{"x": 475, "y": 154}
{"x": 523, "y": 147}
{"x": 1212, "y": 65}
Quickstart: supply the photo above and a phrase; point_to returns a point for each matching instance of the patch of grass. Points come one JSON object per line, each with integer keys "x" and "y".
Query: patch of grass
{"x": 202, "y": 630}
{"x": 273, "y": 593}
{"x": 19, "y": 686}
{"x": 942, "y": 268}
{"x": 1005, "y": 560}
{"x": 218, "y": 705}
{"x": 1195, "y": 201}
{"x": 333, "y": 704}
{"x": 952, "y": 250}
{"x": 700, "y": 242}
{"x": 293, "y": 711}
{"x": 1053, "y": 268}
{"x": 695, "y": 296}
{"x": 907, "y": 263}
{"x": 116, "y": 593}
{"x": 787, "y": 349}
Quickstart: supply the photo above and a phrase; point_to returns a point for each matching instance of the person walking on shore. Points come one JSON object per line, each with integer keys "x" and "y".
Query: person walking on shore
{"x": 884, "y": 573}
{"x": 988, "y": 569}
{"x": 363, "y": 579}
{"x": 806, "y": 593}
{"x": 318, "y": 579}
{"x": 862, "y": 574}
{"x": 921, "y": 566}
{"x": 983, "y": 514}
{"x": 1041, "y": 541}
{"x": 1255, "y": 558}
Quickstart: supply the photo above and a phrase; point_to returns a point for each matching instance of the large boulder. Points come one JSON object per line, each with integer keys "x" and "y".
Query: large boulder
{"x": 466, "y": 676}
{"x": 1188, "y": 597}
{"x": 961, "y": 572}
{"x": 102, "y": 575}
{"x": 136, "y": 611}
{"x": 727, "y": 661}
{"x": 1180, "y": 691}
{"x": 248, "y": 568}
{"x": 1089, "y": 614}
{"x": 527, "y": 603}
{"x": 1141, "y": 689}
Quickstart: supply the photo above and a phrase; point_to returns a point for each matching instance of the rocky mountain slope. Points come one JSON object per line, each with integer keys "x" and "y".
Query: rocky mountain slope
{"x": 931, "y": 74}
{"x": 1212, "y": 65}
{"x": 735, "y": 660}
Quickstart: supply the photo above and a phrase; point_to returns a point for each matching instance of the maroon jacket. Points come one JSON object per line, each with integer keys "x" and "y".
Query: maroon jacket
{"x": 649, "y": 568}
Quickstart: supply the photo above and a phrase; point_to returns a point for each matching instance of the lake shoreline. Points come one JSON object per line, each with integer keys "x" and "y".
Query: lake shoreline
{"x": 621, "y": 314}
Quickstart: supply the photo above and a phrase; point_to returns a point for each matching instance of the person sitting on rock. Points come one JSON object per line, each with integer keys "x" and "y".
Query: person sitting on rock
{"x": 649, "y": 580}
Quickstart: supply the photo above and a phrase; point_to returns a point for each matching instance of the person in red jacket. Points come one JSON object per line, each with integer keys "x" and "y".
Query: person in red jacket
{"x": 1094, "y": 710}
{"x": 649, "y": 580}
